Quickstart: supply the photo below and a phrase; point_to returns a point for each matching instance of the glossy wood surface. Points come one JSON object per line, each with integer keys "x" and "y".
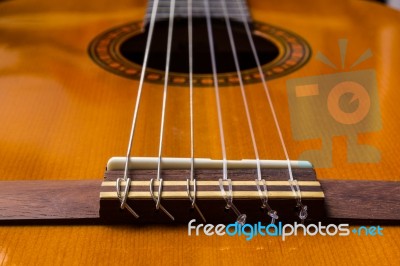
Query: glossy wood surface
{"x": 62, "y": 117}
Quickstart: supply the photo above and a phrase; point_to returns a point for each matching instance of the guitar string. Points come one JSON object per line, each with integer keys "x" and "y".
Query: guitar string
{"x": 192, "y": 177}
{"x": 190, "y": 46}
{"x": 292, "y": 181}
{"x": 157, "y": 199}
{"x": 216, "y": 88}
{"x": 166, "y": 76}
{"x": 242, "y": 89}
{"x": 141, "y": 82}
{"x": 123, "y": 199}
{"x": 241, "y": 218}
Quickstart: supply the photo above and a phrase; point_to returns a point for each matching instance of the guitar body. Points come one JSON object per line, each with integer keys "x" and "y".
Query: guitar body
{"x": 62, "y": 117}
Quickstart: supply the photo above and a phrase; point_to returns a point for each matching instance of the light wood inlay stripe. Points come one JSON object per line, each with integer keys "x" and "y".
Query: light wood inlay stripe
{"x": 212, "y": 183}
{"x": 212, "y": 194}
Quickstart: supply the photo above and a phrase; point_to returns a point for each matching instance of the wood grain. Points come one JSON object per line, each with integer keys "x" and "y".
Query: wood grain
{"x": 362, "y": 201}
{"x": 49, "y": 202}
{"x": 62, "y": 117}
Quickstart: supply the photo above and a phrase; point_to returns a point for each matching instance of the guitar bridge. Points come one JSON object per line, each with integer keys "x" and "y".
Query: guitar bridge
{"x": 209, "y": 197}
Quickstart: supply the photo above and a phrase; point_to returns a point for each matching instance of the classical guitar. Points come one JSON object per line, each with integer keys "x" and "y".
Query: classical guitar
{"x": 217, "y": 111}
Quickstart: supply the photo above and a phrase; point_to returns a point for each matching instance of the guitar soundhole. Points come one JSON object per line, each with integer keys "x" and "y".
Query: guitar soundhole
{"x": 133, "y": 48}
{"x": 120, "y": 50}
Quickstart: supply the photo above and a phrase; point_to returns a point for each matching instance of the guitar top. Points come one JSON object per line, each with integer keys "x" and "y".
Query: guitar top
{"x": 69, "y": 79}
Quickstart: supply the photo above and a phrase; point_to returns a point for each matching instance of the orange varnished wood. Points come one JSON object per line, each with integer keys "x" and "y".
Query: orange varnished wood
{"x": 63, "y": 117}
